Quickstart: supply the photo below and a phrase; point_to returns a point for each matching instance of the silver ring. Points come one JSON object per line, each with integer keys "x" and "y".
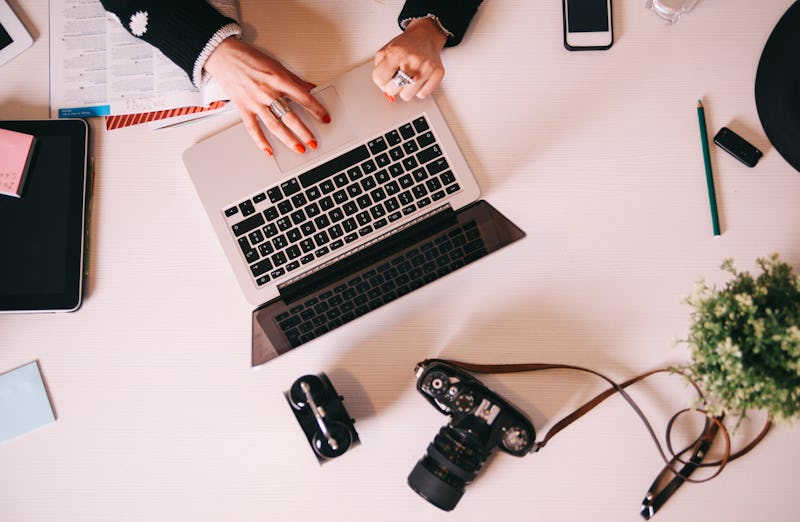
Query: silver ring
{"x": 279, "y": 108}
{"x": 402, "y": 79}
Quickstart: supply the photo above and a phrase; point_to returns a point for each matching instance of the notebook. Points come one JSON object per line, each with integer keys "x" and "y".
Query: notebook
{"x": 385, "y": 205}
{"x": 16, "y": 149}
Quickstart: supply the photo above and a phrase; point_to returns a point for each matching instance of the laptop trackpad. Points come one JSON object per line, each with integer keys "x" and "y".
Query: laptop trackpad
{"x": 329, "y": 136}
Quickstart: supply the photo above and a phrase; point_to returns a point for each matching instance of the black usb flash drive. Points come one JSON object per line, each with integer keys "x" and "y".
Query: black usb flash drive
{"x": 737, "y": 147}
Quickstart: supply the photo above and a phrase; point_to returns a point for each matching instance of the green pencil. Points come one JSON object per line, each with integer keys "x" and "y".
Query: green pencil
{"x": 712, "y": 196}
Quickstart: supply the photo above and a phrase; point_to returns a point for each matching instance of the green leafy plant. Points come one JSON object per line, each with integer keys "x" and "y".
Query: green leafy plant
{"x": 745, "y": 341}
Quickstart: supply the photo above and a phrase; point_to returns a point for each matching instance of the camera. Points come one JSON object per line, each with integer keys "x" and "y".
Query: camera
{"x": 480, "y": 421}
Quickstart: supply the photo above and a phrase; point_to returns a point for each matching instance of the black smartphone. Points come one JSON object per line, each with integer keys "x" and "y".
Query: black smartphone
{"x": 737, "y": 147}
{"x": 587, "y": 24}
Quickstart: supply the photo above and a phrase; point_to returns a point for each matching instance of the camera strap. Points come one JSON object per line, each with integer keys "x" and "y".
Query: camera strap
{"x": 670, "y": 478}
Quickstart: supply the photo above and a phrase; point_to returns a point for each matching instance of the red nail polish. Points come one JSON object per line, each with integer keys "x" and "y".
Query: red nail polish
{"x": 269, "y": 152}
{"x": 312, "y": 144}
{"x": 326, "y": 119}
{"x": 389, "y": 97}
{"x": 299, "y": 148}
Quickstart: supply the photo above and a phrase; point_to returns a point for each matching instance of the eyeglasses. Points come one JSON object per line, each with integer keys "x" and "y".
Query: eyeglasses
{"x": 671, "y": 10}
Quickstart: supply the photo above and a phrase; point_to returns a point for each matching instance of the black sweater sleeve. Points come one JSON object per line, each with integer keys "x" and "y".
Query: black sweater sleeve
{"x": 178, "y": 28}
{"x": 455, "y": 15}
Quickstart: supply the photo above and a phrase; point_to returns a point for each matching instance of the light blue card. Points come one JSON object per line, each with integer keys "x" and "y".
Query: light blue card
{"x": 24, "y": 404}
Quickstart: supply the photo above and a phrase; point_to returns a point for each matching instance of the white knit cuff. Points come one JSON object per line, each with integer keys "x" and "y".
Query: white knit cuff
{"x": 199, "y": 75}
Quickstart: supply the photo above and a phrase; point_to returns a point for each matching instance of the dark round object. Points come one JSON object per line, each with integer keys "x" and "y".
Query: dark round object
{"x": 341, "y": 436}
{"x": 778, "y": 87}
{"x": 452, "y": 461}
{"x": 316, "y": 387}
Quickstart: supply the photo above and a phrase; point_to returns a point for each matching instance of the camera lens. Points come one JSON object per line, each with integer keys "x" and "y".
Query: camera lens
{"x": 452, "y": 461}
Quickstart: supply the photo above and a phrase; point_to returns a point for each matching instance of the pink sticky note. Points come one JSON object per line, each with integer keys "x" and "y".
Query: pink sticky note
{"x": 16, "y": 149}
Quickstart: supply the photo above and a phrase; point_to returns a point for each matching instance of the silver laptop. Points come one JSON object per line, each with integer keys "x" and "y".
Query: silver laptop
{"x": 298, "y": 229}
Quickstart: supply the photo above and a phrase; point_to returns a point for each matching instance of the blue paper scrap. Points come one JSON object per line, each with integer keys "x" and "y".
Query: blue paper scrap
{"x": 24, "y": 404}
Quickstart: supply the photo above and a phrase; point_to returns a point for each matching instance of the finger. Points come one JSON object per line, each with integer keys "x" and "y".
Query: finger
{"x": 250, "y": 122}
{"x": 296, "y": 125}
{"x": 298, "y": 90}
{"x": 311, "y": 104}
{"x": 391, "y": 88}
{"x": 409, "y": 91}
{"x": 431, "y": 83}
{"x": 276, "y": 127}
{"x": 383, "y": 72}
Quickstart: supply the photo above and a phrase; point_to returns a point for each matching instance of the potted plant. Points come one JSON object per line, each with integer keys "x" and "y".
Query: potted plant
{"x": 745, "y": 342}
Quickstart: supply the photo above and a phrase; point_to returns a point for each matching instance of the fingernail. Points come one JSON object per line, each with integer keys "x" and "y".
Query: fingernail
{"x": 389, "y": 97}
{"x": 312, "y": 144}
{"x": 299, "y": 148}
{"x": 269, "y": 152}
{"x": 326, "y": 119}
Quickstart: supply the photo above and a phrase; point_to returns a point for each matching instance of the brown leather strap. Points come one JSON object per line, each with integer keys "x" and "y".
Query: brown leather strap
{"x": 661, "y": 489}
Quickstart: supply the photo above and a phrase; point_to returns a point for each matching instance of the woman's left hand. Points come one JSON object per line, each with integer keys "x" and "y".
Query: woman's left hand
{"x": 416, "y": 52}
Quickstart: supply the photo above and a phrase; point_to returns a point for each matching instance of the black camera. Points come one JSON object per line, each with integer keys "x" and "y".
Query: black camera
{"x": 480, "y": 421}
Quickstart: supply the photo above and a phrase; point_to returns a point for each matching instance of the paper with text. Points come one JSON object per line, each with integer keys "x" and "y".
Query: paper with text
{"x": 98, "y": 69}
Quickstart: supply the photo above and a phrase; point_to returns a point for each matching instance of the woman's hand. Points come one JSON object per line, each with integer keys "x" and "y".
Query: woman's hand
{"x": 253, "y": 80}
{"x": 417, "y": 52}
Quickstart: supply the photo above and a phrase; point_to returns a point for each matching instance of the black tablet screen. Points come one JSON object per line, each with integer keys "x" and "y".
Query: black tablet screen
{"x": 5, "y": 38}
{"x": 42, "y": 232}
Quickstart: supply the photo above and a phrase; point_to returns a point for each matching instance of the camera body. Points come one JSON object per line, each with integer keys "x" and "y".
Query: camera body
{"x": 480, "y": 421}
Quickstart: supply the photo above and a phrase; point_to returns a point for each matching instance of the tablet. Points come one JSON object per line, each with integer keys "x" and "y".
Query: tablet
{"x": 42, "y": 234}
{"x": 13, "y": 37}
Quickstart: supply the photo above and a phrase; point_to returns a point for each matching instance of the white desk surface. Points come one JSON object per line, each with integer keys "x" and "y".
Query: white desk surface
{"x": 595, "y": 155}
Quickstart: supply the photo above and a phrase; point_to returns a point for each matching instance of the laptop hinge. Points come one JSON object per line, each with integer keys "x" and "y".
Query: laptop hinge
{"x": 363, "y": 255}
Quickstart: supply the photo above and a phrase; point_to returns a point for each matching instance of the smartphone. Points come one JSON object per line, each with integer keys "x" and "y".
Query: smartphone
{"x": 587, "y": 24}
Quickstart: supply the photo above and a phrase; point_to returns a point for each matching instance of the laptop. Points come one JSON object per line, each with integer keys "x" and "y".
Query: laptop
{"x": 384, "y": 205}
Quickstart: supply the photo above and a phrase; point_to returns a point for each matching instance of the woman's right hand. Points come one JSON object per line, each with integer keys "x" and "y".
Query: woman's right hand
{"x": 253, "y": 81}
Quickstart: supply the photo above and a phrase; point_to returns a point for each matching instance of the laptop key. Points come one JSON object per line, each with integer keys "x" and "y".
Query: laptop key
{"x": 354, "y": 173}
{"x": 369, "y": 167}
{"x": 420, "y": 124}
{"x": 377, "y": 145}
{"x": 410, "y": 147}
{"x": 406, "y": 131}
{"x": 290, "y": 187}
{"x": 247, "y": 207}
{"x": 231, "y": 211}
{"x": 426, "y": 155}
{"x": 382, "y": 160}
{"x": 392, "y": 138}
{"x": 275, "y": 194}
{"x": 260, "y": 267}
{"x": 425, "y": 139}
{"x": 271, "y": 214}
{"x": 334, "y": 166}
{"x": 437, "y": 166}
{"x": 265, "y": 249}
{"x": 242, "y": 227}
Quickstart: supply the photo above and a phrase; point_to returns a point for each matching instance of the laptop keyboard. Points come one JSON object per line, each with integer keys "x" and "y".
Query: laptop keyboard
{"x": 382, "y": 284}
{"x": 355, "y": 195}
